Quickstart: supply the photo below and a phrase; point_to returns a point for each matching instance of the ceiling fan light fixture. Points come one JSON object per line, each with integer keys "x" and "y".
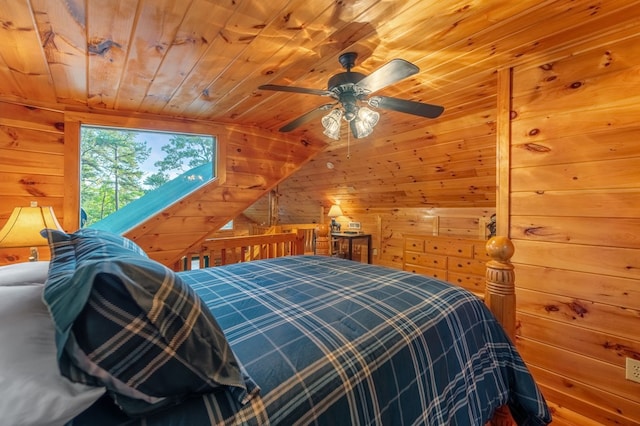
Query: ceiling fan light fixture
{"x": 331, "y": 124}
{"x": 365, "y": 122}
{"x": 368, "y": 116}
{"x": 350, "y": 89}
{"x": 349, "y": 103}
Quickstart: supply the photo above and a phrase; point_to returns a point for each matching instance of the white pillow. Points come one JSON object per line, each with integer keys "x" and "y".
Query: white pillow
{"x": 24, "y": 273}
{"x": 32, "y": 390}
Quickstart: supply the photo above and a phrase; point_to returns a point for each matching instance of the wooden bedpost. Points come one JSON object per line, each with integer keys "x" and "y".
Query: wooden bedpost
{"x": 500, "y": 294}
{"x": 500, "y": 297}
{"x": 322, "y": 239}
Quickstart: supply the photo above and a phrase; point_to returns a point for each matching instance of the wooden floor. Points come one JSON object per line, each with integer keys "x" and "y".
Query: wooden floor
{"x": 565, "y": 417}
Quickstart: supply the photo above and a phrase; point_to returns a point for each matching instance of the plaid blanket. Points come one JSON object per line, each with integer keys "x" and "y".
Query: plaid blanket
{"x": 336, "y": 342}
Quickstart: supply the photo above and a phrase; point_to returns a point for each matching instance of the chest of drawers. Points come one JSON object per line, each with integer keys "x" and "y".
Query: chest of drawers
{"x": 456, "y": 260}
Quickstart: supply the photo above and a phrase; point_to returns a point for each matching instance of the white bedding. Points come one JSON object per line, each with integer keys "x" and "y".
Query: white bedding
{"x": 32, "y": 391}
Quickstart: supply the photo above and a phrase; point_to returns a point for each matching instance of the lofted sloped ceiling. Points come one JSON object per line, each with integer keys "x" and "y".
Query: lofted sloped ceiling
{"x": 204, "y": 60}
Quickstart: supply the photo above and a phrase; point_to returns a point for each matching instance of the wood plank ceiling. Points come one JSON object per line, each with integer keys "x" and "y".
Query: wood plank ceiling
{"x": 204, "y": 59}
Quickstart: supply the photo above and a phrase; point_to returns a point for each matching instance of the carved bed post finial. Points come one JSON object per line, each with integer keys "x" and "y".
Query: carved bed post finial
{"x": 500, "y": 295}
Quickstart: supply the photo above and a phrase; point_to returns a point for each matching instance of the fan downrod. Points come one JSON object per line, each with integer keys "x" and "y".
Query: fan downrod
{"x": 348, "y": 60}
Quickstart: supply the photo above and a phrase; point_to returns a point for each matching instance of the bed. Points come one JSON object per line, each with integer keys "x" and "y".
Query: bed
{"x": 298, "y": 340}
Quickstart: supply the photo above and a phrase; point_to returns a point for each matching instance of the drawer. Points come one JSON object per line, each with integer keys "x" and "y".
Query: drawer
{"x": 480, "y": 252}
{"x": 440, "y": 274}
{"x": 474, "y": 283}
{"x": 414, "y": 244}
{"x": 426, "y": 259}
{"x": 468, "y": 266}
{"x": 449, "y": 247}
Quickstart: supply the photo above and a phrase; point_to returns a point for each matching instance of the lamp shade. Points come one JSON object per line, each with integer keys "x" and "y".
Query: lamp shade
{"x": 331, "y": 123}
{"x": 335, "y": 211}
{"x": 363, "y": 125}
{"x": 24, "y": 226}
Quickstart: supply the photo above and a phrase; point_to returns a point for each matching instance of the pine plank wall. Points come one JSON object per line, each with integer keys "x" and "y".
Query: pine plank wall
{"x": 575, "y": 222}
{"x": 572, "y": 197}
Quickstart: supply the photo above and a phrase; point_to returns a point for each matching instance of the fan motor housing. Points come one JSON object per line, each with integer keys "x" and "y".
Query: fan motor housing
{"x": 349, "y": 77}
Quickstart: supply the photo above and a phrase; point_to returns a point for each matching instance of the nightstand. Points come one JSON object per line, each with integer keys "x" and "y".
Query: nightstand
{"x": 336, "y": 238}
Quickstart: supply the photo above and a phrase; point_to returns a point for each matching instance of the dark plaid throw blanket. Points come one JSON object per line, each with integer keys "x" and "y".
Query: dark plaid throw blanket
{"x": 336, "y": 342}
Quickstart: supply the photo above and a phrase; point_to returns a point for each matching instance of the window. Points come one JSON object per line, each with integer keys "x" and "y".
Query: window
{"x": 128, "y": 175}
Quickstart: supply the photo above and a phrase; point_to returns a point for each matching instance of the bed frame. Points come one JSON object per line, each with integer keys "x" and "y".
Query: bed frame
{"x": 500, "y": 278}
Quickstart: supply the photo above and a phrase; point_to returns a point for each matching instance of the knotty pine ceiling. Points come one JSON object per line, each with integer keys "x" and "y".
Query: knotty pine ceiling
{"x": 204, "y": 59}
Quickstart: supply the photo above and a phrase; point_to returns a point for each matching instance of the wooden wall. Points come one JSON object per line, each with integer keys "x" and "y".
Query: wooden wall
{"x": 39, "y": 155}
{"x": 575, "y": 207}
{"x": 31, "y": 165}
{"x": 387, "y": 226}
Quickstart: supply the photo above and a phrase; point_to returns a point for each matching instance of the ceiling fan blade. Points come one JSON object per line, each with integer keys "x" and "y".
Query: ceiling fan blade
{"x": 295, "y": 89}
{"x": 391, "y": 72}
{"x": 305, "y": 118}
{"x": 409, "y": 107}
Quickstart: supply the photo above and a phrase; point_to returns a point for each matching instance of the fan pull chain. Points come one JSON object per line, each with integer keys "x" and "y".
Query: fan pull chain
{"x": 348, "y": 143}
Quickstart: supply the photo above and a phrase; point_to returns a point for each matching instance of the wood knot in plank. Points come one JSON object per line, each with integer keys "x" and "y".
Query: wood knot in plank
{"x": 26, "y": 181}
{"x": 13, "y": 136}
{"x": 31, "y": 189}
{"x": 534, "y": 147}
{"x": 9, "y": 25}
{"x": 224, "y": 37}
{"x": 101, "y": 46}
{"x": 577, "y": 308}
{"x": 594, "y": 10}
{"x": 567, "y": 383}
{"x": 533, "y": 230}
{"x": 622, "y": 350}
{"x": 551, "y": 308}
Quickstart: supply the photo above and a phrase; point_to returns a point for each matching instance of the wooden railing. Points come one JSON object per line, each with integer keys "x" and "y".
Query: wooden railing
{"x": 308, "y": 229}
{"x": 308, "y": 234}
{"x": 224, "y": 251}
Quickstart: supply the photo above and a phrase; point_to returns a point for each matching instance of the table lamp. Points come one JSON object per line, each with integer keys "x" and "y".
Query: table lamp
{"x": 24, "y": 226}
{"x": 334, "y": 212}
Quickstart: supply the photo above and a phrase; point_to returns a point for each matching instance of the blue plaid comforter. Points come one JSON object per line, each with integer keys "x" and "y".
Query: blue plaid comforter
{"x": 335, "y": 342}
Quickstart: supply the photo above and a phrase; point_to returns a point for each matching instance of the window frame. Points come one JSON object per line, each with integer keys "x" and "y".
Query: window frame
{"x": 167, "y": 136}
{"x": 73, "y": 124}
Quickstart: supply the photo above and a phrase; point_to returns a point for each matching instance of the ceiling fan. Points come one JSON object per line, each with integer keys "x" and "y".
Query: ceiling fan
{"x": 350, "y": 90}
